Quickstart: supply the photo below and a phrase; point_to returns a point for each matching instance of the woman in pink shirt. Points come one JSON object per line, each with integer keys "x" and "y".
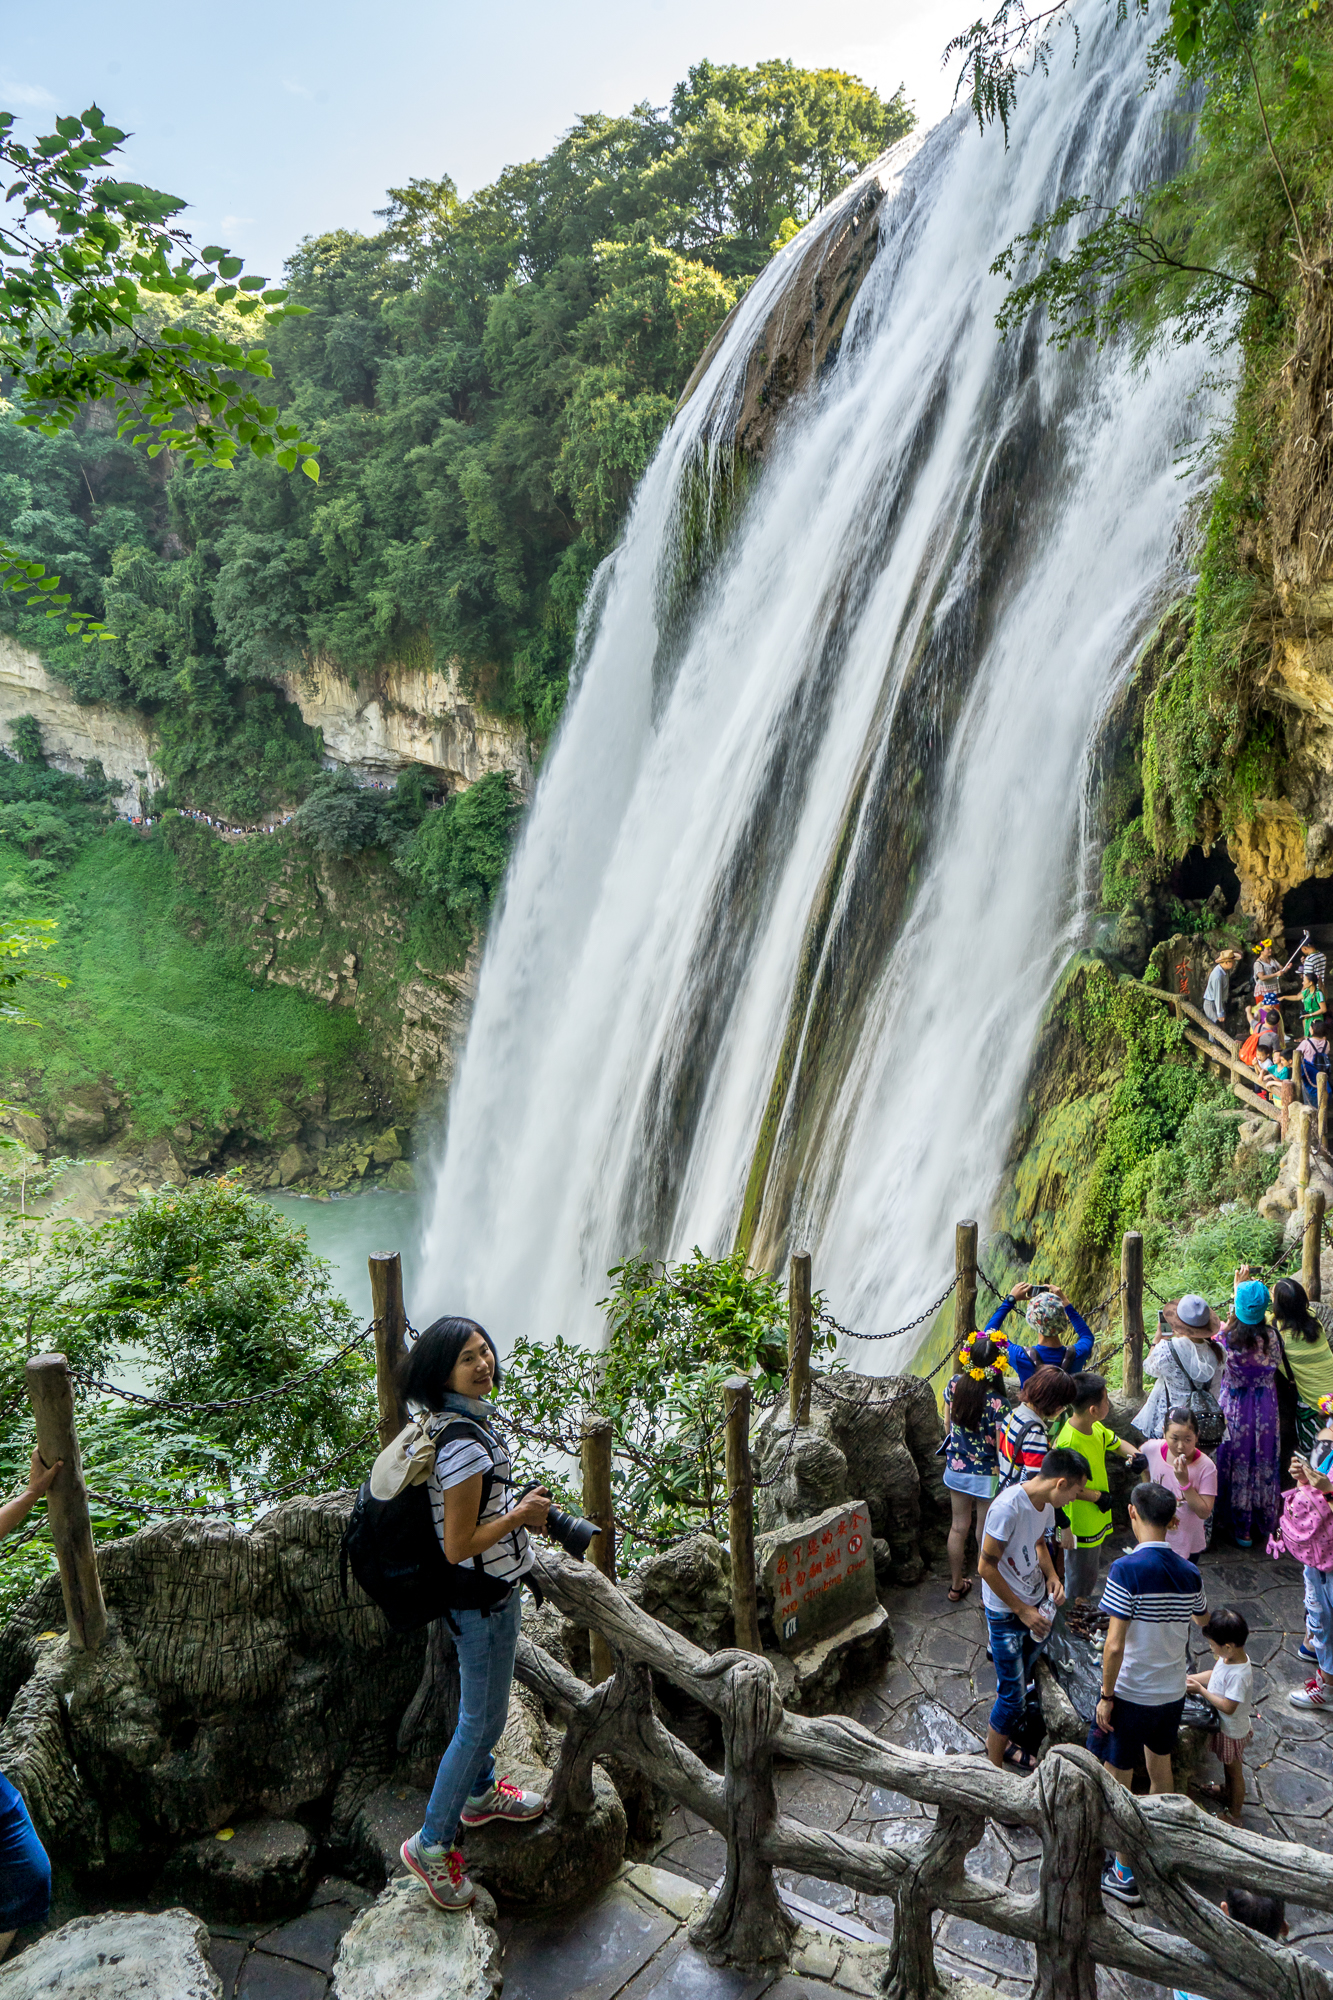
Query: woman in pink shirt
{"x": 1175, "y": 1461}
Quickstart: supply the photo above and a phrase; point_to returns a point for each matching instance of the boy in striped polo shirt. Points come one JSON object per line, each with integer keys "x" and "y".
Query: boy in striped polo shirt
{"x": 1150, "y": 1597}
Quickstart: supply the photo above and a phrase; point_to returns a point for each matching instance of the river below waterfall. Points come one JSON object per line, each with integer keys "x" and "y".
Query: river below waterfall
{"x": 349, "y": 1230}
{"x": 816, "y": 834}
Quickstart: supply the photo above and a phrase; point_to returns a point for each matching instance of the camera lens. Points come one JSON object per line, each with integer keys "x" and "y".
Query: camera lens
{"x": 571, "y": 1531}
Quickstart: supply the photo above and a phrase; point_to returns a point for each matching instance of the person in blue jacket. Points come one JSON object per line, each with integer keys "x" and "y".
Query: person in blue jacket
{"x": 1050, "y": 1316}
{"x": 25, "y": 1871}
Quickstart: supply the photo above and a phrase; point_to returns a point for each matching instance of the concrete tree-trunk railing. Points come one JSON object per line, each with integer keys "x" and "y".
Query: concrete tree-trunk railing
{"x": 1074, "y": 1806}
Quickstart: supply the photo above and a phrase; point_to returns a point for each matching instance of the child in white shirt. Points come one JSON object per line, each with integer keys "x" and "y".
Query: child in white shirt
{"x": 1229, "y": 1688}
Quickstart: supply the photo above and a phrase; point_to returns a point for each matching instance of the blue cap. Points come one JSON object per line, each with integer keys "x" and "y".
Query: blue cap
{"x": 1251, "y": 1302}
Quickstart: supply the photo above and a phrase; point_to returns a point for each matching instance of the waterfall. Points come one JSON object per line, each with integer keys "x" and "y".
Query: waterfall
{"x": 814, "y": 838}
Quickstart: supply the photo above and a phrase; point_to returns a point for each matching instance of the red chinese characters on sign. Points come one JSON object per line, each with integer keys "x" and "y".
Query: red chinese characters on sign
{"x": 823, "y": 1562}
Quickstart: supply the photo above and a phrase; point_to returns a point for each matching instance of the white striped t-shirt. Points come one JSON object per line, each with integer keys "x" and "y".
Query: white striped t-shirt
{"x": 463, "y": 1458}
{"x": 1159, "y": 1593}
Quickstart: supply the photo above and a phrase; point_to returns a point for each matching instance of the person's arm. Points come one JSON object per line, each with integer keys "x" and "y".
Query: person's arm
{"x": 1198, "y": 1684}
{"x": 1053, "y": 1583}
{"x": 1001, "y": 1314}
{"x": 1083, "y": 1341}
{"x": 1113, "y": 1656}
{"x": 41, "y": 1478}
{"x": 465, "y": 1536}
{"x": 988, "y": 1564}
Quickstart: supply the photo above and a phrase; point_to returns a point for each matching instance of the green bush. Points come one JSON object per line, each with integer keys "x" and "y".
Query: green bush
{"x": 458, "y": 854}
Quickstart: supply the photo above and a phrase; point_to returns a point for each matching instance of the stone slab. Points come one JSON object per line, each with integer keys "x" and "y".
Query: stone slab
{"x": 586, "y": 1954}
{"x": 126, "y": 1955}
{"x": 818, "y": 1575}
{"x": 405, "y": 1948}
{"x": 313, "y": 1938}
{"x": 264, "y": 1867}
{"x": 266, "y": 1978}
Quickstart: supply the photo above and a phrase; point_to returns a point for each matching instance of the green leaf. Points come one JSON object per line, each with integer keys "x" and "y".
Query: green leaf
{"x": 310, "y": 467}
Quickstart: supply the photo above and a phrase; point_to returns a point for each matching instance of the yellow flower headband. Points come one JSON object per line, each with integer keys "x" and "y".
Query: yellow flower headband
{"x": 1326, "y": 1406}
{"x": 966, "y": 1362}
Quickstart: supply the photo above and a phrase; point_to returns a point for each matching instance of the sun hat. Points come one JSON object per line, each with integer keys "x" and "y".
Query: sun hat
{"x": 1191, "y": 1315}
{"x": 1251, "y": 1302}
{"x": 1046, "y": 1313}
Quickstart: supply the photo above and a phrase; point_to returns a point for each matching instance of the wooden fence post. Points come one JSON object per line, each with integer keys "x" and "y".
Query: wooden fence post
{"x": 52, "y": 1397}
{"x": 1313, "y": 1239}
{"x": 965, "y": 1291}
{"x": 1304, "y": 1118}
{"x": 1321, "y": 1111}
{"x": 386, "y": 1294}
{"x": 799, "y": 1331}
{"x": 595, "y": 1450}
{"x": 740, "y": 1507}
{"x": 1131, "y": 1277}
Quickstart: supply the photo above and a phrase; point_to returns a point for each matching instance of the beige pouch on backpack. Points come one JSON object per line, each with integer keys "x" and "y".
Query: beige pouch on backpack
{"x": 405, "y": 1462}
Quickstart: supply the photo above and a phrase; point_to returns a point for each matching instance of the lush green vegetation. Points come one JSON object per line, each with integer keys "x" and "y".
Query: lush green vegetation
{"x": 218, "y": 1298}
{"x": 674, "y": 1335}
{"x": 484, "y": 381}
{"x": 159, "y": 1005}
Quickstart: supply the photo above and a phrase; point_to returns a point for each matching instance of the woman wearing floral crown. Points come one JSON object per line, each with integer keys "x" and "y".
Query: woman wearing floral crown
{"x": 976, "y": 1406}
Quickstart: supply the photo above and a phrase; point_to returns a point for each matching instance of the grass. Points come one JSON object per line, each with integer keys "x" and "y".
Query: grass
{"x": 156, "y": 1003}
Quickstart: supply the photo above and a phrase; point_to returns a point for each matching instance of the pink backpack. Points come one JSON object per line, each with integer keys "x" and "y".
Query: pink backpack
{"x": 1305, "y": 1530}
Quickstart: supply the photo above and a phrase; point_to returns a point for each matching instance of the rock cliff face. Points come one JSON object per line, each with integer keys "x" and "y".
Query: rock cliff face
{"x": 73, "y": 733}
{"x": 406, "y": 713}
{"x": 803, "y": 332}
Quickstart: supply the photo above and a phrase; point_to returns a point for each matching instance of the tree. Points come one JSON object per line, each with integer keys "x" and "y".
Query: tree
{"x": 78, "y": 260}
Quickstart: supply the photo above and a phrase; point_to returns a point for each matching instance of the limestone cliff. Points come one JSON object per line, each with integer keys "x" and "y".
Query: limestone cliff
{"x": 407, "y": 712}
{"x": 74, "y": 733}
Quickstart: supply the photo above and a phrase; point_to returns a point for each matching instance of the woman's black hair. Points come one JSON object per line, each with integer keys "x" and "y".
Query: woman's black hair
{"x": 1291, "y": 1309}
{"x": 424, "y": 1375}
{"x": 1239, "y": 1337}
{"x": 967, "y": 1397}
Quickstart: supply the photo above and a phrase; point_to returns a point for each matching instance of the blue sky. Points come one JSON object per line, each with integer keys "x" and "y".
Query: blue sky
{"x": 279, "y": 121}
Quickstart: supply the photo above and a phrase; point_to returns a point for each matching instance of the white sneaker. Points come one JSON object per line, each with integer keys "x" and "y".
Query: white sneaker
{"x": 442, "y": 1871}
{"x": 505, "y": 1800}
{"x": 1317, "y": 1693}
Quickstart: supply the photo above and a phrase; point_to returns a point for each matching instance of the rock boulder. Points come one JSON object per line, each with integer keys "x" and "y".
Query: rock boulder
{"x": 404, "y": 1948}
{"x": 245, "y": 1874}
{"x": 123, "y": 1956}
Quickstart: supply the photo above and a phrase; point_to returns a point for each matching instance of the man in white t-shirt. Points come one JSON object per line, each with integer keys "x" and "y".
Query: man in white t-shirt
{"x": 1020, "y": 1590}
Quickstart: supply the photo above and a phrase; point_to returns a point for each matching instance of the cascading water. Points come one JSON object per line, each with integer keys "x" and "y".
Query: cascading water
{"x": 811, "y": 845}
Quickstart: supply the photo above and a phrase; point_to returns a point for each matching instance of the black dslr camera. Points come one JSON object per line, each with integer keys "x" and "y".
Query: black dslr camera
{"x": 571, "y": 1531}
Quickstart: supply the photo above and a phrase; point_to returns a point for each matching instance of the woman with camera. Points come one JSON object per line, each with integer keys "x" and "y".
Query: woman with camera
{"x": 450, "y": 1373}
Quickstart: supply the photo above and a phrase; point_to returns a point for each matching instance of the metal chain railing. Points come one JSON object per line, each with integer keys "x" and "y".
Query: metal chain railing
{"x": 250, "y": 1495}
{"x": 827, "y": 1319}
{"x": 219, "y": 1403}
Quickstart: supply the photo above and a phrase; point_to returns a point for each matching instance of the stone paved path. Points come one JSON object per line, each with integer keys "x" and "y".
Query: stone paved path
{"x": 629, "y": 1943}
{"x": 936, "y": 1693}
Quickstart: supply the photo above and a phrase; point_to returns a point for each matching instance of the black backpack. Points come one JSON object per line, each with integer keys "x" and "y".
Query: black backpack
{"x": 394, "y": 1552}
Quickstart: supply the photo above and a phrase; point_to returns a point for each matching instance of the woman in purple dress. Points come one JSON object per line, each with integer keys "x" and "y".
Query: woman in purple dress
{"x": 1248, "y": 1472}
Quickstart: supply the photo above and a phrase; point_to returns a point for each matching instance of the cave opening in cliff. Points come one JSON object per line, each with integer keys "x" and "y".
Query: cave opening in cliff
{"x": 1310, "y": 903}
{"x": 1197, "y": 874}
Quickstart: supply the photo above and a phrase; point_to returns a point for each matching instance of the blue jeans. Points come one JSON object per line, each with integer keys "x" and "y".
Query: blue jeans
{"x": 25, "y": 1872}
{"x": 486, "y": 1648}
{"x": 1013, "y": 1649}
{"x": 1319, "y": 1611}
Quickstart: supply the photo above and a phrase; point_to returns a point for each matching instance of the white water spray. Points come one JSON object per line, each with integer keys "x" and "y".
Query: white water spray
{"x": 807, "y": 856}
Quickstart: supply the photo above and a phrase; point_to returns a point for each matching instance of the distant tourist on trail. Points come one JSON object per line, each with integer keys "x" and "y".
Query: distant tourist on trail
{"x": 1186, "y": 1359}
{"x": 1229, "y": 1688}
{"x": 1305, "y": 1333}
{"x": 977, "y": 1408}
{"x": 1030, "y": 1427}
{"x": 1272, "y": 1034}
{"x": 1021, "y": 1591}
{"x": 25, "y": 1871}
{"x": 1217, "y": 993}
{"x": 1087, "y": 1432}
{"x": 1150, "y": 1597}
{"x": 1050, "y": 1315}
{"x": 1176, "y": 1462}
{"x": 451, "y": 1370}
{"x": 1314, "y": 965}
{"x": 1312, "y": 1003}
{"x": 1313, "y": 1058}
{"x": 1267, "y": 972}
{"x": 1277, "y": 1070}
{"x": 1248, "y": 1473}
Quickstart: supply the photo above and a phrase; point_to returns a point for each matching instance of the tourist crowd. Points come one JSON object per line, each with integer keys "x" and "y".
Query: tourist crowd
{"x": 1288, "y": 1062}
{"x": 1030, "y": 1476}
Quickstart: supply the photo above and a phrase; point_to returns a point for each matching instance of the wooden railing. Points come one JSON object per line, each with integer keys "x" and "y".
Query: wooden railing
{"x": 1075, "y": 1808}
